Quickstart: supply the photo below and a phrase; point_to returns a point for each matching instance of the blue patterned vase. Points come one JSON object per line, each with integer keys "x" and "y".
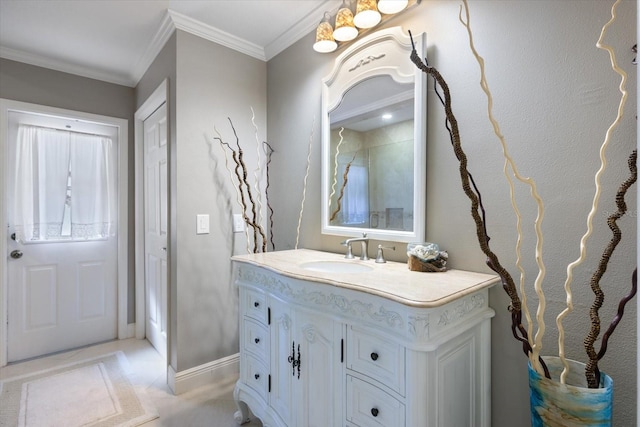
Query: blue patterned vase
{"x": 572, "y": 404}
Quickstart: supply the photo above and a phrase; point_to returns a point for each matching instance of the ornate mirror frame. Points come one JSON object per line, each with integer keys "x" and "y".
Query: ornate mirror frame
{"x": 383, "y": 53}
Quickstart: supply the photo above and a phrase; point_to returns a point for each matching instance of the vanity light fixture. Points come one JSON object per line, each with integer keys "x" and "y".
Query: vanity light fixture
{"x": 387, "y": 116}
{"x": 368, "y": 14}
{"x": 325, "y": 42}
{"x": 345, "y": 28}
{"x": 390, "y": 7}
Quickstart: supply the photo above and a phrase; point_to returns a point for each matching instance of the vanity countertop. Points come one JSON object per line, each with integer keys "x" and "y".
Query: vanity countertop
{"x": 392, "y": 280}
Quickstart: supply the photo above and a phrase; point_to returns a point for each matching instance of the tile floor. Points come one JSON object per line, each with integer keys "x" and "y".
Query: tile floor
{"x": 206, "y": 406}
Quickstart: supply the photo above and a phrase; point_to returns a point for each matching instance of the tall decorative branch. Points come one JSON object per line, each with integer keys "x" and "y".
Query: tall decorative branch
{"x": 509, "y": 163}
{"x": 256, "y": 226}
{"x": 591, "y": 370}
{"x": 335, "y": 168}
{"x": 345, "y": 178}
{"x": 243, "y": 185}
{"x": 239, "y": 197}
{"x": 596, "y": 197}
{"x": 266, "y": 194}
{"x": 519, "y": 332}
{"x": 304, "y": 186}
{"x": 256, "y": 175}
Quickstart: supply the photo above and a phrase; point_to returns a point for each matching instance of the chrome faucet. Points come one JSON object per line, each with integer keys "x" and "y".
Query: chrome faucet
{"x": 364, "y": 245}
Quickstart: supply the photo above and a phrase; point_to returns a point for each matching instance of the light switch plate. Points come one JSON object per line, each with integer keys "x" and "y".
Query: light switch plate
{"x": 202, "y": 224}
{"x": 238, "y": 223}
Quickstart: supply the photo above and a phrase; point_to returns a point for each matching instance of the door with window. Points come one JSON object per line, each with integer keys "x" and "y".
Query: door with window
{"x": 62, "y": 210}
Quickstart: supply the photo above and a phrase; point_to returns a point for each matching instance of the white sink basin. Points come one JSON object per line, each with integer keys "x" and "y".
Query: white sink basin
{"x": 335, "y": 267}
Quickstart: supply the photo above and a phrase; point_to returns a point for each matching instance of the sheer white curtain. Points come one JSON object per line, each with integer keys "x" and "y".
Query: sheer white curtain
{"x": 64, "y": 185}
{"x": 356, "y": 197}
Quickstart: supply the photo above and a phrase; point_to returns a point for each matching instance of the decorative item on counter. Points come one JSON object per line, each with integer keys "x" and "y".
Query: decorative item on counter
{"x": 426, "y": 257}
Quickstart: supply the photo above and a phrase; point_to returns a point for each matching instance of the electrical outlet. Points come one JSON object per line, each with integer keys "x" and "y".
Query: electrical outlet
{"x": 238, "y": 223}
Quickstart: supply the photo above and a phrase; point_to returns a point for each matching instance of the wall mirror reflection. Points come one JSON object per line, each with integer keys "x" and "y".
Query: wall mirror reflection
{"x": 374, "y": 141}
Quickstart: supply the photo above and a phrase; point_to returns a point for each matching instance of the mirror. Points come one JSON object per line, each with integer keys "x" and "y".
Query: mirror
{"x": 373, "y": 140}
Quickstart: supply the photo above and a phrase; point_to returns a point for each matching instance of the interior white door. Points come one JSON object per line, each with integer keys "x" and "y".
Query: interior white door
{"x": 155, "y": 224}
{"x": 61, "y": 294}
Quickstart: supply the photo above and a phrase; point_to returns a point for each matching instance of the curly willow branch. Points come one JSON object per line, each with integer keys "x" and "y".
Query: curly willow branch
{"x": 618, "y": 317}
{"x": 239, "y": 197}
{"x": 345, "y": 178}
{"x": 596, "y": 197}
{"x": 240, "y": 192}
{"x": 335, "y": 168}
{"x": 304, "y": 186}
{"x": 266, "y": 194}
{"x": 537, "y": 344}
{"x": 257, "y": 228}
{"x": 256, "y": 175}
{"x": 591, "y": 370}
{"x": 492, "y": 259}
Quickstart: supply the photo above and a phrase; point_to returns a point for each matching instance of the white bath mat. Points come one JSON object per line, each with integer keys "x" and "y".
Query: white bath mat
{"x": 93, "y": 392}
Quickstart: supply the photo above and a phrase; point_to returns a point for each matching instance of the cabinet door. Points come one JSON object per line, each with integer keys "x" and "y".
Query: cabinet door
{"x": 315, "y": 401}
{"x": 280, "y": 396}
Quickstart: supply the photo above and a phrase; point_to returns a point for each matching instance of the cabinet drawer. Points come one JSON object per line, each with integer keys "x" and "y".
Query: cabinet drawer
{"x": 377, "y": 358}
{"x": 367, "y": 405}
{"x": 255, "y": 305}
{"x": 255, "y": 374}
{"x": 256, "y": 338}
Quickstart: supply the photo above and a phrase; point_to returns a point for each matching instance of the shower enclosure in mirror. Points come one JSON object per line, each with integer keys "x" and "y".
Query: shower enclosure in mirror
{"x": 374, "y": 140}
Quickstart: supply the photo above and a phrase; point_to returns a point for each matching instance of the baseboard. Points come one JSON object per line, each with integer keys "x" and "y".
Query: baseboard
{"x": 207, "y": 374}
{"x": 131, "y": 330}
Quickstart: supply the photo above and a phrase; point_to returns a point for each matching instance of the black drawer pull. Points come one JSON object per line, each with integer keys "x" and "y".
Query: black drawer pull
{"x": 257, "y": 376}
{"x": 374, "y": 412}
{"x": 257, "y": 340}
{"x": 374, "y": 356}
{"x": 256, "y": 304}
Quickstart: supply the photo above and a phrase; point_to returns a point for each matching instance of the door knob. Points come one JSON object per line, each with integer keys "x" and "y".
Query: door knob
{"x": 16, "y": 254}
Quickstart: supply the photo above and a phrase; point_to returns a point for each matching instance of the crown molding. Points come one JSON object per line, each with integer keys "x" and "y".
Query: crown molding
{"x": 174, "y": 20}
{"x": 161, "y": 37}
{"x": 65, "y": 67}
{"x": 195, "y": 27}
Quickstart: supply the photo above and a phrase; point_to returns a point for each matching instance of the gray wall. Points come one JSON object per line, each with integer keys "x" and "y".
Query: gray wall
{"x": 208, "y": 84}
{"x": 37, "y": 85}
{"x": 555, "y": 95}
{"x": 214, "y": 84}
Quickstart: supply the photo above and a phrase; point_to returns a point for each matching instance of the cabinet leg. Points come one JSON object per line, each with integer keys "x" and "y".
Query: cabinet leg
{"x": 242, "y": 415}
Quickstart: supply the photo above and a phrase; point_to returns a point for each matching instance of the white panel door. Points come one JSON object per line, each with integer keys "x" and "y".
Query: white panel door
{"x": 61, "y": 294}
{"x": 155, "y": 247}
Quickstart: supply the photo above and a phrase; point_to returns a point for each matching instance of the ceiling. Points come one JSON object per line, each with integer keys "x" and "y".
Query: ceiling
{"x": 116, "y": 41}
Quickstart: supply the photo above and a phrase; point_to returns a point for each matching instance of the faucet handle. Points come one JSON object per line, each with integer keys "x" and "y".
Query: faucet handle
{"x": 380, "y": 255}
{"x": 349, "y": 254}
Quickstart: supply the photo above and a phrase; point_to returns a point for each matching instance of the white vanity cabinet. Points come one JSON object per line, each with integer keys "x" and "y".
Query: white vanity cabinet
{"x": 384, "y": 347}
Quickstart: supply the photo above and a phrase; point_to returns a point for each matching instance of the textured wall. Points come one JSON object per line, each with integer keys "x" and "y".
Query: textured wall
{"x": 555, "y": 95}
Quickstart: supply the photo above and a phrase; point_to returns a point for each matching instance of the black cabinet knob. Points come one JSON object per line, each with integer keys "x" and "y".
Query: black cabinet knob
{"x": 256, "y": 304}
{"x": 257, "y": 340}
{"x": 374, "y": 412}
{"x": 374, "y": 356}
{"x": 257, "y": 376}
